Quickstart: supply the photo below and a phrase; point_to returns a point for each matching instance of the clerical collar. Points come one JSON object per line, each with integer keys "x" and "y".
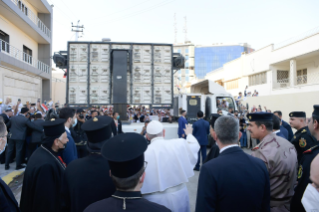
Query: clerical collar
{"x": 124, "y": 195}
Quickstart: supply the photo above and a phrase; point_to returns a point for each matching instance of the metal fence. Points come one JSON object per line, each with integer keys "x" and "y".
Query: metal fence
{"x": 20, "y": 55}
{"x": 32, "y": 17}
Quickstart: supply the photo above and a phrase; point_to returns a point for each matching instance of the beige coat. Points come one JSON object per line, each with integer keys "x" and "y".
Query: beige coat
{"x": 280, "y": 157}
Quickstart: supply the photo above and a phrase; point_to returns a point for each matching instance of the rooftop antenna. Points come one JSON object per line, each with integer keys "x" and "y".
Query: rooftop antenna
{"x": 185, "y": 28}
{"x": 77, "y": 30}
{"x": 175, "y": 28}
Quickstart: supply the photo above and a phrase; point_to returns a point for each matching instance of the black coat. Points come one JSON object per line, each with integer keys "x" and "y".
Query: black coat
{"x": 18, "y": 127}
{"x": 86, "y": 180}
{"x": 8, "y": 202}
{"x": 119, "y": 127}
{"x": 230, "y": 181}
{"x": 303, "y": 178}
{"x": 302, "y": 141}
{"x": 37, "y": 136}
{"x": 5, "y": 118}
{"x": 113, "y": 204}
{"x": 288, "y": 128}
{"x": 42, "y": 182}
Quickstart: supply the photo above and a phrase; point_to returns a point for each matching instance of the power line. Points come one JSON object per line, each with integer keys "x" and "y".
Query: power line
{"x": 66, "y": 15}
{"x": 69, "y": 9}
{"x": 137, "y": 13}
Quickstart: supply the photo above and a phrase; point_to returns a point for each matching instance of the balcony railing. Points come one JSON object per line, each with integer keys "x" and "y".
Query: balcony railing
{"x": 20, "y": 55}
{"x": 32, "y": 17}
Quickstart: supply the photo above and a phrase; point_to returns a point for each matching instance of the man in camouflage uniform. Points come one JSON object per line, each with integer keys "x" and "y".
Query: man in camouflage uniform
{"x": 302, "y": 139}
{"x": 280, "y": 158}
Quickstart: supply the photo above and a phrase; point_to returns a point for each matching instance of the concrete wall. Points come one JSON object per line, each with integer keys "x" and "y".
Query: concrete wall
{"x": 17, "y": 37}
{"x": 17, "y": 85}
{"x": 286, "y": 102}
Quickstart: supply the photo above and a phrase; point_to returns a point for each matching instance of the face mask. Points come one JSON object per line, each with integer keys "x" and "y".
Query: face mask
{"x": 118, "y": 117}
{"x": 310, "y": 199}
{"x": 75, "y": 122}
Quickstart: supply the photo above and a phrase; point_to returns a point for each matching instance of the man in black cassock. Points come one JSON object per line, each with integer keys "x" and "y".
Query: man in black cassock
{"x": 43, "y": 175}
{"x": 87, "y": 180}
{"x": 125, "y": 154}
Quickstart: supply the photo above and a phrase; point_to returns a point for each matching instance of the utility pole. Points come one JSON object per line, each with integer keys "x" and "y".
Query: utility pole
{"x": 185, "y": 28}
{"x": 175, "y": 28}
{"x": 77, "y": 30}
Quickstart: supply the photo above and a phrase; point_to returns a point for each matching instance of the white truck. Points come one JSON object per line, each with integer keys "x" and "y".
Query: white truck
{"x": 205, "y": 95}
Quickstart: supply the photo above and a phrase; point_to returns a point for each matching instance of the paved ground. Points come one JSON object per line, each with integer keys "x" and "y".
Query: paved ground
{"x": 16, "y": 184}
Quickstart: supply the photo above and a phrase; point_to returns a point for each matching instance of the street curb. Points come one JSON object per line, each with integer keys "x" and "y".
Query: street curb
{"x": 10, "y": 177}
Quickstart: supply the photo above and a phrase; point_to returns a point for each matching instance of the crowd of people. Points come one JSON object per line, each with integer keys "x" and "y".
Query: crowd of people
{"x": 81, "y": 160}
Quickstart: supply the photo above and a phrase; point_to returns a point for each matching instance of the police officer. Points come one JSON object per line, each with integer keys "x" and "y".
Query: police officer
{"x": 87, "y": 180}
{"x": 305, "y": 162}
{"x": 125, "y": 154}
{"x": 302, "y": 139}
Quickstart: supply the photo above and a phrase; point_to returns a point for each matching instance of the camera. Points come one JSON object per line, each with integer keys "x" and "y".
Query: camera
{"x": 81, "y": 116}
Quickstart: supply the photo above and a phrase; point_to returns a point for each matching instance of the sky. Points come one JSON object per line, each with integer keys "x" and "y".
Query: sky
{"x": 256, "y": 22}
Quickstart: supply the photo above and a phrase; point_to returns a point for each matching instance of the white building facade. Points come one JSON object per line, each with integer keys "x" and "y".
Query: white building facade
{"x": 25, "y": 49}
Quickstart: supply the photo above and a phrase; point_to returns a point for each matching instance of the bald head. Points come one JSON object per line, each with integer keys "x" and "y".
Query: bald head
{"x": 314, "y": 172}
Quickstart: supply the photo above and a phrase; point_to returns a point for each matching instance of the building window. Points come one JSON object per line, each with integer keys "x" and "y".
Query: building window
{"x": 258, "y": 79}
{"x": 186, "y": 51}
{"x": 187, "y": 78}
{"x": 178, "y": 50}
{"x": 187, "y": 71}
{"x": 4, "y": 42}
{"x": 186, "y": 65}
{"x": 232, "y": 84}
{"x": 186, "y": 57}
{"x": 282, "y": 77}
{"x": 27, "y": 54}
{"x": 302, "y": 76}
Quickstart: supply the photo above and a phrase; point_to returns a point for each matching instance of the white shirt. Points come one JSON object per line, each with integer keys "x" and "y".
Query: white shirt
{"x": 67, "y": 129}
{"x": 227, "y": 147}
{"x": 275, "y": 132}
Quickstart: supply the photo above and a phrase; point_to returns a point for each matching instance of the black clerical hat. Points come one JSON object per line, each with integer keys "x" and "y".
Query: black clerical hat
{"x": 125, "y": 154}
{"x": 298, "y": 114}
{"x": 54, "y": 127}
{"x": 24, "y": 110}
{"x": 315, "y": 110}
{"x": 214, "y": 118}
{"x": 260, "y": 116}
{"x": 98, "y": 129}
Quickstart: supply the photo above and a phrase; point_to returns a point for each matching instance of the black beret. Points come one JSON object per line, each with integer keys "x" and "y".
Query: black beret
{"x": 54, "y": 127}
{"x": 24, "y": 110}
{"x": 98, "y": 129}
{"x": 260, "y": 116}
{"x": 315, "y": 110}
{"x": 125, "y": 154}
{"x": 298, "y": 114}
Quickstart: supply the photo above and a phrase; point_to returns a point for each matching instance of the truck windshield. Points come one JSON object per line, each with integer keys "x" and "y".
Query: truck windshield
{"x": 225, "y": 103}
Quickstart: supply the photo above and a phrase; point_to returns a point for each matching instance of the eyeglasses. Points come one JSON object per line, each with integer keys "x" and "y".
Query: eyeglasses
{"x": 3, "y": 136}
{"x": 145, "y": 164}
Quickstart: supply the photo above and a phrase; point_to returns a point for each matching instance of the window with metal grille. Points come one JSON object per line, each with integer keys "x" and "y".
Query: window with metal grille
{"x": 4, "y": 42}
{"x": 302, "y": 76}
{"x": 27, "y": 54}
{"x": 282, "y": 76}
{"x": 258, "y": 79}
{"x": 232, "y": 84}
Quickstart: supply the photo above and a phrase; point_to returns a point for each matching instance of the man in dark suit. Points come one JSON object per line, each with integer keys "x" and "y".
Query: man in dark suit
{"x": 182, "y": 122}
{"x": 201, "y": 132}
{"x": 285, "y": 124}
{"x": 283, "y": 130}
{"x": 227, "y": 182}
{"x": 276, "y": 127}
{"x": 117, "y": 122}
{"x": 36, "y": 136}
{"x": 18, "y": 130}
{"x": 6, "y": 115}
{"x": 8, "y": 203}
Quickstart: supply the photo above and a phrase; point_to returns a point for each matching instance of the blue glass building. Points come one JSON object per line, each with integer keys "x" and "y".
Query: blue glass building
{"x": 210, "y": 58}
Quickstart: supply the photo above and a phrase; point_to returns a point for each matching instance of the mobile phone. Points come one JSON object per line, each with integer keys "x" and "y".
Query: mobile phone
{"x": 19, "y": 100}
{"x": 38, "y": 99}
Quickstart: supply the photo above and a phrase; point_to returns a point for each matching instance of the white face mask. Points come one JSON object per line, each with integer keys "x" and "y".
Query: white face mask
{"x": 310, "y": 199}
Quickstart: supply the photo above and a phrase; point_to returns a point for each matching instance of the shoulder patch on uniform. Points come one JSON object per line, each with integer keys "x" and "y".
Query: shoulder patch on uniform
{"x": 300, "y": 172}
{"x": 310, "y": 150}
{"x": 295, "y": 137}
{"x": 302, "y": 143}
{"x": 304, "y": 131}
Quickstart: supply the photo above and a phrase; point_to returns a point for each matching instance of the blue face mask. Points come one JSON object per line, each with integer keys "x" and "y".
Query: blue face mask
{"x": 75, "y": 122}
{"x": 118, "y": 117}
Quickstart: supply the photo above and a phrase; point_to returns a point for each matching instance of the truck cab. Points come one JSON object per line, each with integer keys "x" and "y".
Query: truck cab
{"x": 206, "y": 96}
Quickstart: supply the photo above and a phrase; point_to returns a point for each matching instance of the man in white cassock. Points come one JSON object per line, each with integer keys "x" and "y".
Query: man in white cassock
{"x": 170, "y": 164}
